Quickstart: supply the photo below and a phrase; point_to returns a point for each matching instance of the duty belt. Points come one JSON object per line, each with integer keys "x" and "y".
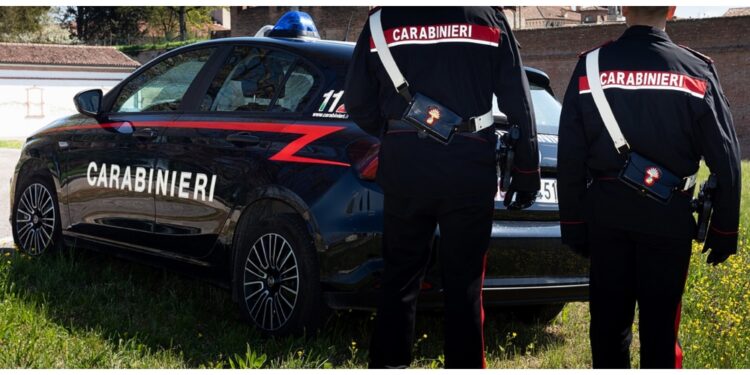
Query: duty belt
{"x": 687, "y": 183}
{"x": 475, "y": 124}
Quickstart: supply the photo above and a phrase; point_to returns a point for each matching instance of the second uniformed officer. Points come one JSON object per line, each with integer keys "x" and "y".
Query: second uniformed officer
{"x": 638, "y": 115}
{"x": 444, "y": 64}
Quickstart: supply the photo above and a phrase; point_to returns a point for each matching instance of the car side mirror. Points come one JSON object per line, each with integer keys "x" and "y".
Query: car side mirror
{"x": 89, "y": 102}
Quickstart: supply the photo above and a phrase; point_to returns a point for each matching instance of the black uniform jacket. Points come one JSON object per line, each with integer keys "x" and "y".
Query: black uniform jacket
{"x": 457, "y": 56}
{"x": 671, "y": 109}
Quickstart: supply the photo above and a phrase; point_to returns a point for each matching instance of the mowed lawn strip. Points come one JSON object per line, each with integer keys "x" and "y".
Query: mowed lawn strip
{"x": 83, "y": 309}
{"x": 11, "y": 143}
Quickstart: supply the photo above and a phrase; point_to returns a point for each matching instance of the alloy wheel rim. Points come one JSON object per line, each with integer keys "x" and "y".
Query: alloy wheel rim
{"x": 271, "y": 281}
{"x": 35, "y": 219}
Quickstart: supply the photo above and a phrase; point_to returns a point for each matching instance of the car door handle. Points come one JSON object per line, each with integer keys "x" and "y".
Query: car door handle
{"x": 244, "y": 138}
{"x": 145, "y": 134}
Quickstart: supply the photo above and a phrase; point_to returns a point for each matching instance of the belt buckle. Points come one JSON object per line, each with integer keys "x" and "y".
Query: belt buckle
{"x": 472, "y": 124}
{"x": 688, "y": 182}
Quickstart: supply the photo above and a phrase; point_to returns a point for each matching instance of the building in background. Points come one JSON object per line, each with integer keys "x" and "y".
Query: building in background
{"x": 38, "y": 81}
{"x": 222, "y": 23}
{"x": 593, "y": 15}
{"x": 614, "y": 14}
{"x": 737, "y": 12}
{"x": 222, "y": 16}
{"x": 551, "y": 16}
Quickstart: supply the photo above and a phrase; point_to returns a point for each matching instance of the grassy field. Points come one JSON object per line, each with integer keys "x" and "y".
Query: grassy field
{"x": 11, "y": 143}
{"x": 85, "y": 309}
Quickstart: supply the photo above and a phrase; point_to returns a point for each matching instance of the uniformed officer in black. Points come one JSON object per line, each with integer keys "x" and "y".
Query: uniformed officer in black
{"x": 458, "y": 57}
{"x": 671, "y": 109}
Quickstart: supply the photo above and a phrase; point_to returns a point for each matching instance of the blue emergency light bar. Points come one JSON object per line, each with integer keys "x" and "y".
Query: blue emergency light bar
{"x": 294, "y": 24}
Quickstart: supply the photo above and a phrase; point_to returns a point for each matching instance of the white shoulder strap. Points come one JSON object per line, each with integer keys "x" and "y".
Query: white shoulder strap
{"x": 376, "y": 30}
{"x": 595, "y": 84}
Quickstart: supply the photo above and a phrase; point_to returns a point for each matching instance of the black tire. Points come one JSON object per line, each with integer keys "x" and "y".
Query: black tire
{"x": 281, "y": 297}
{"x": 542, "y": 314}
{"x": 530, "y": 314}
{"x": 35, "y": 219}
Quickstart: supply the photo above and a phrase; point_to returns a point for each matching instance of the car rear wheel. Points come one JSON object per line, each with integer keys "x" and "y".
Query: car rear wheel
{"x": 543, "y": 314}
{"x": 277, "y": 276}
{"x": 36, "y": 217}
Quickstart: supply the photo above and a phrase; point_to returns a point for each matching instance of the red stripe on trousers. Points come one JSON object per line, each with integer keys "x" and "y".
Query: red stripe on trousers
{"x": 481, "y": 310}
{"x": 677, "y": 348}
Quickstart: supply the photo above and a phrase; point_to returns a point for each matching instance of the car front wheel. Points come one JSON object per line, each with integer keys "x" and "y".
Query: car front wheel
{"x": 36, "y": 217}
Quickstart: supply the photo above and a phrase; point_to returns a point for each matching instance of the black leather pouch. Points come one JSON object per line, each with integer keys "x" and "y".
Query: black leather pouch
{"x": 432, "y": 118}
{"x": 649, "y": 178}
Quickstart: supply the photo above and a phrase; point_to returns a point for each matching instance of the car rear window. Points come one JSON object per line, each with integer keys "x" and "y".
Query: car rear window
{"x": 546, "y": 109}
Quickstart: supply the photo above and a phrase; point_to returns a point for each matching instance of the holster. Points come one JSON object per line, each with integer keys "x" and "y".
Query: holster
{"x": 703, "y": 205}
{"x": 505, "y": 154}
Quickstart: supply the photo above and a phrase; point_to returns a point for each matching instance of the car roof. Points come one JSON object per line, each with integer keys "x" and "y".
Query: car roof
{"x": 307, "y": 47}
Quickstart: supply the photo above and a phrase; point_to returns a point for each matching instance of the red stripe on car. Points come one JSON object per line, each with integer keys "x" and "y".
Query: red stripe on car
{"x": 310, "y": 133}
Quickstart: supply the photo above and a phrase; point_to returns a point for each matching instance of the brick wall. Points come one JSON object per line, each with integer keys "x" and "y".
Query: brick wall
{"x": 725, "y": 40}
{"x": 337, "y": 23}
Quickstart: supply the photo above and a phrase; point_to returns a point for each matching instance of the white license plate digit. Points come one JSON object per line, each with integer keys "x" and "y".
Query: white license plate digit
{"x": 547, "y": 192}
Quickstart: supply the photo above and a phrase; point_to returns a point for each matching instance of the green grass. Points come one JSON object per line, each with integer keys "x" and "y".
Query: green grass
{"x": 136, "y": 48}
{"x": 81, "y": 309}
{"x": 11, "y": 143}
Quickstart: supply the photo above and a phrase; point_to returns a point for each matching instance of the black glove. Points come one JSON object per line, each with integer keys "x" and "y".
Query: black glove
{"x": 722, "y": 247}
{"x": 524, "y": 199}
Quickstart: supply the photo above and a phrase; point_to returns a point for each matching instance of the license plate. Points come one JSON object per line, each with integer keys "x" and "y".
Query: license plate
{"x": 547, "y": 192}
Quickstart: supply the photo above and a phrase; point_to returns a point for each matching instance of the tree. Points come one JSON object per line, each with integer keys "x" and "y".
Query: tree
{"x": 15, "y": 21}
{"x": 164, "y": 21}
{"x": 196, "y": 17}
{"x": 50, "y": 30}
{"x": 181, "y": 19}
{"x": 108, "y": 25}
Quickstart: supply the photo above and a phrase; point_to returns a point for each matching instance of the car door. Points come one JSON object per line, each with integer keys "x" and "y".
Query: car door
{"x": 219, "y": 150}
{"x": 111, "y": 195}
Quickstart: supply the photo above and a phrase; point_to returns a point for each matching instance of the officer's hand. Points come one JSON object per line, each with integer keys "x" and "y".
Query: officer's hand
{"x": 523, "y": 199}
{"x": 721, "y": 248}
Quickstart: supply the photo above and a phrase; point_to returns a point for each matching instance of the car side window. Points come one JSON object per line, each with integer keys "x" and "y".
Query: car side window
{"x": 162, "y": 86}
{"x": 297, "y": 92}
{"x": 259, "y": 80}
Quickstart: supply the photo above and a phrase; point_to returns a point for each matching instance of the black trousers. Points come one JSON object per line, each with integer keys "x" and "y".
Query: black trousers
{"x": 465, "y": 227}
{"x": 629, "y": 267}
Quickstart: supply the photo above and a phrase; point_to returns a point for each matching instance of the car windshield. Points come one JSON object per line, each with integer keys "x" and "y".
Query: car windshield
{"x": 546, "y": 110}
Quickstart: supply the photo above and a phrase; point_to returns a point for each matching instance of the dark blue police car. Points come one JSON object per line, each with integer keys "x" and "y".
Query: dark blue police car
{"x": 234, "y": 160}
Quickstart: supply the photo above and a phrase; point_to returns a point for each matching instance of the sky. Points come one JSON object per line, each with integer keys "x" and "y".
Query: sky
{"x": 699, "y": 12}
